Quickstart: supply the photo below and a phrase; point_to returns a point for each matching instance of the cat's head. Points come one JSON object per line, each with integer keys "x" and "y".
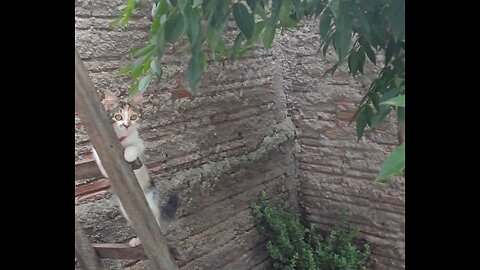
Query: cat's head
{"x": 125, "y": 115}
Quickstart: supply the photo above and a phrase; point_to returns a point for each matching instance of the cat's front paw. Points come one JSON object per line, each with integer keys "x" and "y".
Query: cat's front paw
{"x": 134, "y": 242}
{"x": 130, "y": 154}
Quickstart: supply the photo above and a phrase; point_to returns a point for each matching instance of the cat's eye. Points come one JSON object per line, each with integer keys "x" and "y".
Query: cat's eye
{"x": 118, "y": 117}
{"x": 133, "y": 117}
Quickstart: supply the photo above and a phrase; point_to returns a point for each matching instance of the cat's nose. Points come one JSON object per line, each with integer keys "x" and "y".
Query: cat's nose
{"x": 126, "y": 125}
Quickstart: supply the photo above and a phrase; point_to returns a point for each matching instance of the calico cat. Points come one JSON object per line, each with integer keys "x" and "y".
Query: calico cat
{"x": 125, "y": 116}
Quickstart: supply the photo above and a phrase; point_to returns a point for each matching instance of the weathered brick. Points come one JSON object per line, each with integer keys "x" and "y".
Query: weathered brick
{"x": 219, "y": 148}
{"x": 326, "y": 189}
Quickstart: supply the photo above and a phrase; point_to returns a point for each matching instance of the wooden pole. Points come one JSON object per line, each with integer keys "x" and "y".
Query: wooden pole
{"x": 84, "y": 251}
{"x": 122, "y": 178}
{"x": 120, "y": 251}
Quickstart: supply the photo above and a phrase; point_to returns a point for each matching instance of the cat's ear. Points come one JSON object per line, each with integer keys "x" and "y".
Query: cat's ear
{"x": 110, "y": 101}
{"x": 137, "y": 99}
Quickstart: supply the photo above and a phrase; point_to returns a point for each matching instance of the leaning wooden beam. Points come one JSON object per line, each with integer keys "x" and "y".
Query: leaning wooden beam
{"x": 120, "y": 251}
{"x": 84, "y": 252}
{"x": 122, "y": 178}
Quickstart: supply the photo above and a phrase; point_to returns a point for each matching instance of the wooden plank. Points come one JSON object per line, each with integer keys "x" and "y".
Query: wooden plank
{"x": 97, "y": 185}
{"x": 84, "y": 251}
{"x": 122, "y": 178}
{"x": 120, "y": 251}
{"x": 90, "y": 195}
{"x": 87, "y": 169}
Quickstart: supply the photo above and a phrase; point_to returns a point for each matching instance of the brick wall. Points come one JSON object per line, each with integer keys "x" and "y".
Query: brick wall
{"x": 335, "y": 171}
{"x": 218, "y": 149}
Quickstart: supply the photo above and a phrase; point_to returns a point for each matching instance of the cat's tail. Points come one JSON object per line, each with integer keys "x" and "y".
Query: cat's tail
{"x": 164, "y": 212}
{"x": 168, "y": 213}
{"x": 169, "y": 209}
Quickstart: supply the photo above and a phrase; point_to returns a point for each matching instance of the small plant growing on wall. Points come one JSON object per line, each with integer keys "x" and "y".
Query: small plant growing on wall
{"x": 293, "y": 245}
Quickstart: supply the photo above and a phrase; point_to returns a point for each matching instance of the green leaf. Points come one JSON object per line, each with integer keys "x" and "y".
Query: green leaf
{"x": 212, "y": 38}
{"x": 398, "y": 101}
{"x": 325, "y": 47}
{"x": 401, "y": 123}
{"x": 362, "y": 19}
{"x": 392, "y": 49}
{"x": 353, "y": 61}
{"x": 252, "y": 4}
{"x": 216, "y": 24}
{"x": 126, "y": 14}
{"x": 288, "y": 22}
{"x": 146, "y": 65}
{"x": 393, "y": 164}
{"x": 298, "y": 9}
{"x": 207, "y": 6}
{"x": 125, "y": 70}
{"x": 270, "y": 28}
{"x": 261, "y": 11}
{"x": 259, "y": 26}
{"x": 133, "y": 89}
{"x": 378, "y": 118}
{"x": 137, "y": 67}
{"x": 400, "y": 114}
{"x": 156, "y": 68}
{"x": 192, "y": 22}
{"x": 141, "y": 51}
{"x": 396, "y": 13}
{"x": 263, "y": 3}
{"x": 163, "y": 18}
{"x": 160, "y": 12}
{"x": 182, "y": 3}
{"x": 174, "y": 27}
{"x": 144, "y": 82}
{"x": 197, "y": 3}
{"x": 197, "y": 45}
{"x": 284, "y": 14}
{"x": 219, "y": 51}
{"x": 343, "y": 33}
{"x": 160, "y": 42}
{"x": 314, "y": 7}
{"x": 195, "y": 70}
{"x": 219, "y": 16}
{"x": 244, "y": 19}
{"x": 236, "y": 46}
{"x": 268, "y": 36}
{"x": 361, "y": 59}
{"x": 325, "y": 21}
{"x": 375, "y": 100}
{"x": 362, "y": 121}
{"x": 392, "y": 92}
{"x": 368, "y": 50}
{"x": 397, "y": 81}
{"x": 334, "y": 6}
{"x": 115, "y": 22}
{"x": 369, "y": 113}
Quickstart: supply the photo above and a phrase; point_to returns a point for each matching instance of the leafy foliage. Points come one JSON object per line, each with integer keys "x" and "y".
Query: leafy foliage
{"x": 356, "y": 29}
{"x": 294, "y": 246}
{"x": 394, "y": 163}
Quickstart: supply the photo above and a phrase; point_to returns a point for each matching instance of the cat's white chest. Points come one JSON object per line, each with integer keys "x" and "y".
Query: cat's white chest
{"x": 134, "y": 148}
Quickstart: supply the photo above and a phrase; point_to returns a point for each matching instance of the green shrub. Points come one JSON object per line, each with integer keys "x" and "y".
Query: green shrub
{"x": 294, "y": 246}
